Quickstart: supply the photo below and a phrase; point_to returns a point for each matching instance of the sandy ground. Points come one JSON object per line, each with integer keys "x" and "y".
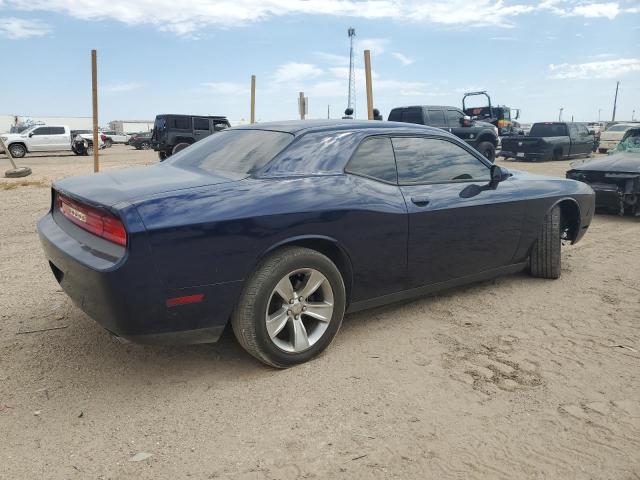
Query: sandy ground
{"x": 509, "y": 379}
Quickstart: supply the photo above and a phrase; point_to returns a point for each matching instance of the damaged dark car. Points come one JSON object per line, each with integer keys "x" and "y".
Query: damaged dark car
{"x": 615, "y": 178}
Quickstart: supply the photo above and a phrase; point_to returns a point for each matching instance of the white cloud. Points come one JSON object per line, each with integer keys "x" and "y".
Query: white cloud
{"x": 186, "y": 20}
{"x": 295, "y": 72}
{"x": 333, "y": 59}
{"x": 227, "y": 88}
{"x": 121, "y": 87}
{"x": 376, "y": 45}
{"x": 403, "y": 59}
{"x": 608, "y": 10}
{"x": 601, "y": 69}
{"x": 19, "y": 28}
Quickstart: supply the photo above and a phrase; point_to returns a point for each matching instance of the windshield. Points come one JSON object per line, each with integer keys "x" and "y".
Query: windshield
{"x": 235, "y": 151}
{"x": 548, "y": 130}
{"x": 630, "y": 144}
{"x": 618, "y": 128}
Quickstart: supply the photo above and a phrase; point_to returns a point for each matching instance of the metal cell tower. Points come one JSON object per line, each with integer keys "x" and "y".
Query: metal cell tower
{"x": 351, "y": 101}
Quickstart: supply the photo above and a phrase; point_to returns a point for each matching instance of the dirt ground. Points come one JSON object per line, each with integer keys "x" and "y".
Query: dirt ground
{"x": 508, "y": 379}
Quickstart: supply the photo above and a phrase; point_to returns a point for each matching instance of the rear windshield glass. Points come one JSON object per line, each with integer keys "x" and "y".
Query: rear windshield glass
{"x": 234, "y": 151}
{"x": 159, "y": 123}
{"x": 548, "y": 130}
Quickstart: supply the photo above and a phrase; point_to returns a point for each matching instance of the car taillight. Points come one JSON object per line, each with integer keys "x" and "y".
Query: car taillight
{"x": 98, "y": 222}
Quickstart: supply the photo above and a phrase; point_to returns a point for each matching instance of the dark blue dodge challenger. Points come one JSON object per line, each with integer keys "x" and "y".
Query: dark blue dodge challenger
{"x": 281, "y": 228}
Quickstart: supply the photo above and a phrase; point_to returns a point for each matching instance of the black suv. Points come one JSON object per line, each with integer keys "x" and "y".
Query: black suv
{"x": 480, "y": 135}
{"x": 172, "y": 133}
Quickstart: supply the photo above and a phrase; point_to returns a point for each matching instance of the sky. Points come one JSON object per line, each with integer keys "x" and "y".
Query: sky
{"x": 197, "y": 57}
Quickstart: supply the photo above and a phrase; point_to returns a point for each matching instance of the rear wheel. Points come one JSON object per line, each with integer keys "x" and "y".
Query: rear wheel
{"x": 488, "y": 150}
{"x": 17, "y": 150}
{"x": 291, "y": 307}
{"x": 544, "y": 261}
{"x": 145, "y": 146}
{"x": 178, "y": 147}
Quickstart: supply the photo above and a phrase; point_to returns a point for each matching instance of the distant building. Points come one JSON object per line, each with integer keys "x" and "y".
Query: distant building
{"x": 19, "y": 122}
{"x": 131, "y": 126}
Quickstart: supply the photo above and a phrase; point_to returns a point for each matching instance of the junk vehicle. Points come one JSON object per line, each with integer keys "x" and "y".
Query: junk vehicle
{"x": 549, "y": 141}
{"x": 616, "y": 177}
{"x": 50, "y": 138}
{"x": 172, "y": 133}
{"x": 480, "y": 135}
{"x": 498, "y": 115}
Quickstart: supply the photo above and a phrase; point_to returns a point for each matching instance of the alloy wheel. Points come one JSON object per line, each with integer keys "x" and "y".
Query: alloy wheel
{"x": 299, "y": 310}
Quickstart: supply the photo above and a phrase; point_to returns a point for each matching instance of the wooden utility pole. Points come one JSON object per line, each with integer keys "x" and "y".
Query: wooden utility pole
{"x": 94, "y": 91}
{"x": 615, "y": 102}
{"x": 253, "y": 99}
{"x": 367, "y": 73}
{"x": 302, "y": 105}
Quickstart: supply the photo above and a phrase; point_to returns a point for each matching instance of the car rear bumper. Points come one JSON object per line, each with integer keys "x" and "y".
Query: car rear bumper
{"x": 127, "y": 298}
{"x": 524, "y": 155}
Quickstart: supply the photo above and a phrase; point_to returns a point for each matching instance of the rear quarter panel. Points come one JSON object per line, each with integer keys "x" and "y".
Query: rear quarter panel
{"x": 218, "y": 234}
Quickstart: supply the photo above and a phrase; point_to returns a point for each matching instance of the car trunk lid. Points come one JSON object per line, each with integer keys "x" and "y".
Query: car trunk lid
{"x": 128, "y": 185}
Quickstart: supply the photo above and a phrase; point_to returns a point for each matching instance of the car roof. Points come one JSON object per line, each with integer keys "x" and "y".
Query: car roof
{"x": 298, "y": 127}
{"x": 215, "y": 117}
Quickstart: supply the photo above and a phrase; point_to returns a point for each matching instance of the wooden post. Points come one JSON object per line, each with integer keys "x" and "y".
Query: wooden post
{"x": 94, "y": 91}
{"x": 301, "y": 105}
{"x": 253, "y": 99}
{"x": 367, "y": 73}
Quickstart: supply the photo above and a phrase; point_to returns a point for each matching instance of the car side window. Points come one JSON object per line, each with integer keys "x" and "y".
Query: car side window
{"x": 430, "y": 160}
{"x": 200, "y": 123}
{"x": 436, "y": 118}
{"x": 374, "y": 159}
{"x": 412, "y": 115}
{"x": 217, "y": 126}
{"x": 41, "y": 131}
{"x": 56, "y": 130}
{"x": 454, "y": 117}
{"x": 573, "y": 130}
{"x": 182, "y": 123}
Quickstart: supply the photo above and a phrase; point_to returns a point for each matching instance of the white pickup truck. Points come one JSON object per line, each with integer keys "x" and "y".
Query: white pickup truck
{"x": 49, "y": 138}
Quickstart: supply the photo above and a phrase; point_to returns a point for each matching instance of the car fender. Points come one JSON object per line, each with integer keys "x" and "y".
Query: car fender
{"x": 344, "y": 264}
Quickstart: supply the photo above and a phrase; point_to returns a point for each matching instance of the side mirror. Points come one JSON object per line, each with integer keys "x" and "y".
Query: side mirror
{"x": 465, "y": 121}
{"x": 498, "y": 174}
{"x": 30, "y": 134}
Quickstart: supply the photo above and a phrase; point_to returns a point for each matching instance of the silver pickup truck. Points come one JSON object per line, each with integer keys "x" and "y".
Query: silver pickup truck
{"x": 50, "y": 138}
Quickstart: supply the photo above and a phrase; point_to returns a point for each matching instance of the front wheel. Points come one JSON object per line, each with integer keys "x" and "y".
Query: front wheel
{"x": 290, "y": 308}
{"x": 145, "y": 146}
{"x": 17, "y": 150}
{"x": 544, "y": 261}
{"x": 488, "y": 150}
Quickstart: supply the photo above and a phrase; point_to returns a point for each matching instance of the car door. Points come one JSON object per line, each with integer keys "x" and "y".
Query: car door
{"x": 39, "y": 139}
{"x": 379, "y": 221}
{"x": 58, "y": 139}
{"x": 201, "y": 128}
{"x": 437, "y": 118}
{"x": 460, "y": 223}
{"x": 454, "y": 119}
{"x": 586, "y": 138}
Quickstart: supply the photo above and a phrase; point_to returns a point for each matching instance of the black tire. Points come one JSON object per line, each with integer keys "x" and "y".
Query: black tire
{"x": 17, "y": 150}
{"x": 18, "y": 172}
{"x": 145, "y": 146}
{"x": 179, "y": 146}
{"x": 545, "y": 259}
{"x": 162, "y": 156}
{"x": 248, "y": 319}
{"x": 488, "y": 150}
